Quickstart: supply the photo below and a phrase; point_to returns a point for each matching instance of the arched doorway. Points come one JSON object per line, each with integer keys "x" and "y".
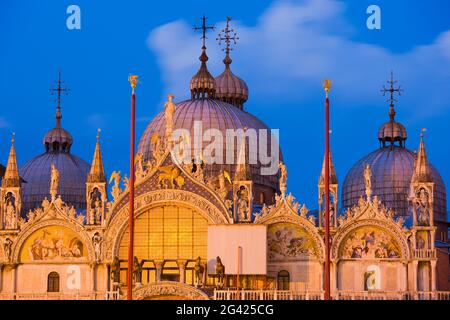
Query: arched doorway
{"x": 53, "y": 282}
{"x": 283, "y": 280}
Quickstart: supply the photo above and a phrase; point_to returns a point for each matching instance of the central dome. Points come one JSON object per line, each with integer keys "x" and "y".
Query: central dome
{"x": 213, "y": 114}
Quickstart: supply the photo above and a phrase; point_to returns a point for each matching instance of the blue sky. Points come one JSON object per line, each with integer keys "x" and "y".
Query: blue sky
{"x": 285, "y": 50}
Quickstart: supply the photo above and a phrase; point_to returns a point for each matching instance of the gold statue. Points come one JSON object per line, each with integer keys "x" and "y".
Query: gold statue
{"x": 171, "y": 174}
{"x": 54, "y": 180}
{"x": 133, "y": 80}
{"x": 115, "y": 191}
{"x": 169, "y": 110}
{"x": 327, "y": 86}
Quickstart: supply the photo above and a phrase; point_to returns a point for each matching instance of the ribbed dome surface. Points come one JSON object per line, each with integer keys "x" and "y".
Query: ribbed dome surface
{"x": 72, "y": 181}
{"x": 392, "y": 170}
{"x": 230, "y": 88}
{"x": 60, "y": 136}
{"x": 213, "y": 114}
{"x": 392, "y": 130}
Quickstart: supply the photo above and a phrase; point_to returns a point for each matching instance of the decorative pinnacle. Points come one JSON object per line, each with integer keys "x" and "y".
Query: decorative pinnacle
{"x": 133, "y": 80}
{"x": 13, "y": 138}
{"x": 422, "y": 132}
{"x": 204, "y": 28}
{"x": 327, "y": 86}
{"x": 392, "y": 90}
{"x": 98, "y": 134}
{"x": 228, "y": 36}
{"x": 59, "y": 89}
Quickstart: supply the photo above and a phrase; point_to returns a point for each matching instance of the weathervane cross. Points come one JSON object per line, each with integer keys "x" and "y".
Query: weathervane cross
{"x": 392, "y": 90}
{"x": 59, "y": 89}
{"x": 227, "y": 35}
{"x": 204, "y": 28}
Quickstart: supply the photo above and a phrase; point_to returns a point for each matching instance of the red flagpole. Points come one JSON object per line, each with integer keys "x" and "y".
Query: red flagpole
{"x": 327, "y": 84}
{"x": 133, "y": 82}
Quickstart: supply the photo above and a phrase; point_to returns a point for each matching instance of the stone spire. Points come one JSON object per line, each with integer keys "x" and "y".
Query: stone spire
{"x": 242, "y": 170}
{"x": 97, "y": 173}
{"x": 422, "y": 170}
{"x": 11, "y": 177}
{"x": 333, "y": 177}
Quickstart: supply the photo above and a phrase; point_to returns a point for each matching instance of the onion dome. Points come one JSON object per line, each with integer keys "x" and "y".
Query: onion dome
{"x": 229, "y": 87}
{"x": 392, "y": 131}
{"x": 393, "y": 168}
{"x": 37, "y": 171}
{"x": 213, "y": 114}
{"x": 202, "y": 83}
{"x": 58, "y": 139}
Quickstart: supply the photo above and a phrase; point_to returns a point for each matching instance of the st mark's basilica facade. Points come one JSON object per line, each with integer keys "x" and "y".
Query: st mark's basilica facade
{"x": 220, "y": 231}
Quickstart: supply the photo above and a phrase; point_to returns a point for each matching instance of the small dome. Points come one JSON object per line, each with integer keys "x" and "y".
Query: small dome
{"x": 230, "y": 88}
{"x": 72, "y": 180}
{"x": 58, "y": 139}
{"x": 392, "y": 171}
{"x": 202, "y": 83}
{"x": 392, "y": 131}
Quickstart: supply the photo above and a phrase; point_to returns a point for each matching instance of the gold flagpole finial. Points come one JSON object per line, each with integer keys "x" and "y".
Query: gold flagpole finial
{"x": 327, "y": 86}
{"x": 133, "y": 80}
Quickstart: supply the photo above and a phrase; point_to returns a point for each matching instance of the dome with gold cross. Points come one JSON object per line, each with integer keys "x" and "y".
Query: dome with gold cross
{"x": 73, "y": 170}
{"x": 216, "y": 110}
{"x": 392, "y": 167}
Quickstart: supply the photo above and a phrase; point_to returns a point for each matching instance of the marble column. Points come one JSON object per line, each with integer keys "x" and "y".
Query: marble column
{"x": 159, "y": 267}
{"x": 433, "y": 275}
{"x": 93, "y": 278}
{"x": 182, "y": 267}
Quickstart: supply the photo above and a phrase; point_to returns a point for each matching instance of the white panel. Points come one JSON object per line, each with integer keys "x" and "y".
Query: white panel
{"x": 224, "y": 241}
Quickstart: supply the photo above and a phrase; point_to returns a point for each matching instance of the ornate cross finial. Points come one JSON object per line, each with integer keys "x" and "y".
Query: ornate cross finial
{"x": 58, "y": 90}
{"x": 204, "y": 28}
{"x": 228, "y": 36}
{"x": 392, "y": 90}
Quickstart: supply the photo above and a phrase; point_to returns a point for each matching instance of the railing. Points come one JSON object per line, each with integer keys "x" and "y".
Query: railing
{"x": 109, "y": 295}
{"x": 338, "y": 295}
{"x": 424, "y": 254}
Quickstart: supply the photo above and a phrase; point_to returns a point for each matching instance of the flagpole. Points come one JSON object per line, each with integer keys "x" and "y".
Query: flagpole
{"x": 133, "y": 82}
{"x": 327, "y": 85}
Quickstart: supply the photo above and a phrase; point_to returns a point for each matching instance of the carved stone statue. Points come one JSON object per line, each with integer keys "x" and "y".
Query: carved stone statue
{"x": 368, "y": 180}
{"x": 7, "y": 248}
{"x": 423, "y": 207}
{"x": 115, "y": 191}
{"x": 54, "y": 181}
{"x": 115, "y": 270}
{"x": 220, "y": 272}
{"x": 199, "y": 269}
{"x": 97, "y": 243}
{"x": 283, "y": 178}
{"x": 242, "y": 204}
{"x": 137, "y": 270}
{"x": 169, "y": 110}
{"x": 10, "y": 216}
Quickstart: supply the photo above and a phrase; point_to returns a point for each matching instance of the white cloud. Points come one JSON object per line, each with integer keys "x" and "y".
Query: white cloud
{"x": 295, "y": 45}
